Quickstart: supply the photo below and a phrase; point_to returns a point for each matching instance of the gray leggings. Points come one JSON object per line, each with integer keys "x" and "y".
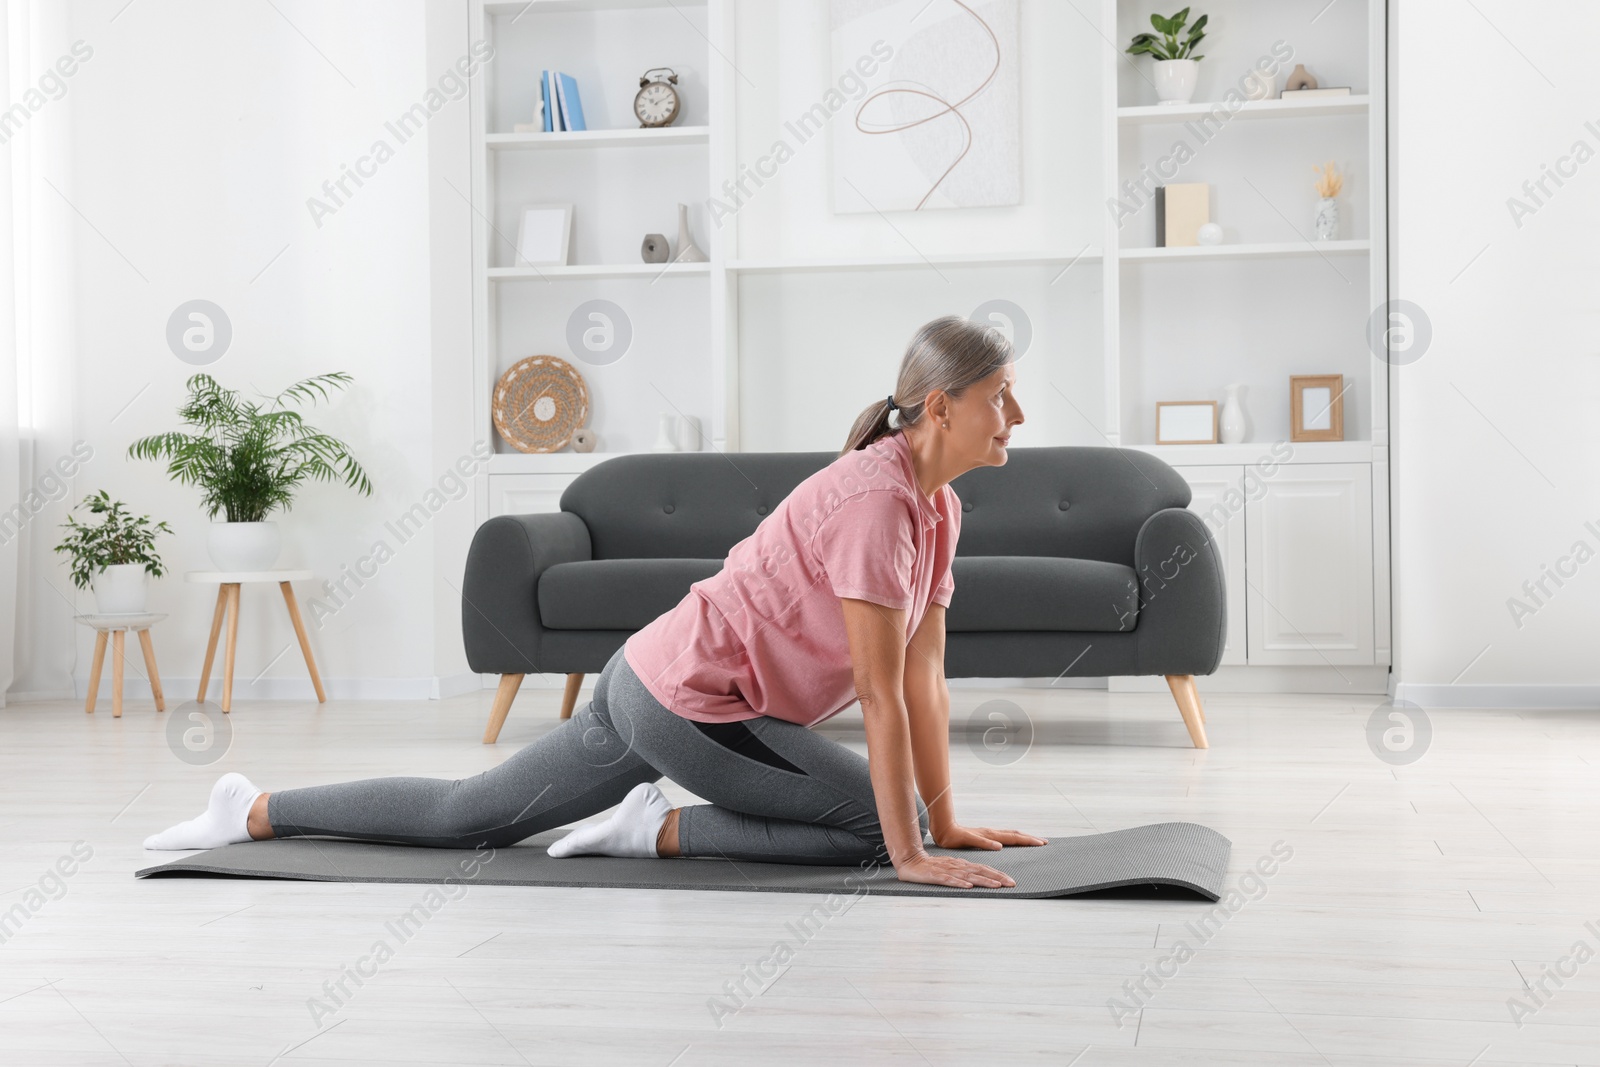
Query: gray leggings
{"x": 777, "y": 791}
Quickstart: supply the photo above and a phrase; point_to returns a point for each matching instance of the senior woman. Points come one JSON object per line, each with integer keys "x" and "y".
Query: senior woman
{"x": 838, "y": 596}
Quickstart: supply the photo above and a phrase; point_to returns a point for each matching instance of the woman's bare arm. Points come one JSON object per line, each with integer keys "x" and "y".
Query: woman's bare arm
{"x": 877, "y": 652}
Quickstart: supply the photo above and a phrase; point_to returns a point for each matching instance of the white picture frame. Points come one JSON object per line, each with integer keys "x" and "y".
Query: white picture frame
{"x": 544, "y": 236}
{"x": 1186, "y": 422}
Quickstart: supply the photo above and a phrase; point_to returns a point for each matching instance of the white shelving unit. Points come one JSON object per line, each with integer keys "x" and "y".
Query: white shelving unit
{"x": 799, "y": 297}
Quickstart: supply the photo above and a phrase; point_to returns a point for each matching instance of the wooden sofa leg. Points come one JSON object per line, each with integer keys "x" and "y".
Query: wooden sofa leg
{"x": 1188, "y": 698}
{"x": 503, "y": 696}
{"x": 569, "y": 699}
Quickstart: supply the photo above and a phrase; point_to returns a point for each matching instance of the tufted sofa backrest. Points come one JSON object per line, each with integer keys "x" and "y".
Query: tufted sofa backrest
{"x": 1083, "y": 503}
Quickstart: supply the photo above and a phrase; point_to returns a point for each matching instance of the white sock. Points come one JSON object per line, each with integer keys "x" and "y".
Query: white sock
{"x": 222, "y": 823}
{"x": 631, "y": 831}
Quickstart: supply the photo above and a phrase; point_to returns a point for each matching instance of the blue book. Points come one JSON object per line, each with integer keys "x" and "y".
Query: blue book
{"x": 571, "y": 106}
{"x": 548, "y": 103}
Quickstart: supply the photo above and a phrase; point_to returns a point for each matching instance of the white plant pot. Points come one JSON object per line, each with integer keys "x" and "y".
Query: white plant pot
{"x": 243, "y": 546}
{"x": 1175, "y": 80}
{"x": 121, "y": 589}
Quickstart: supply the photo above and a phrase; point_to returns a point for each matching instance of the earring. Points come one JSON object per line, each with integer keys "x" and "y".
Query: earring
{"x": 947, "y": 425}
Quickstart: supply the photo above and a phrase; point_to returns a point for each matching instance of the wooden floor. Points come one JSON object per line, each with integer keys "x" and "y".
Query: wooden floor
{"x": 1417, "y": 903}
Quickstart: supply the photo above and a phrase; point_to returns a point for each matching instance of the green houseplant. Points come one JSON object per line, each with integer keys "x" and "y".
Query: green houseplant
{"x": 249, "y": 458}
{"x": 1177, "y": 65}
{"x": 115, "y": 556}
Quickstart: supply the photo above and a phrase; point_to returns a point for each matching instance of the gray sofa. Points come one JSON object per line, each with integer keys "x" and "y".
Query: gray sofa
{"x": 1072, "y": 562}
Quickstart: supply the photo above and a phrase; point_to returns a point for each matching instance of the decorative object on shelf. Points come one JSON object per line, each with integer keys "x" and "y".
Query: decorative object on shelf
{"x": 939, "y": 123}
{"x": 666, "y": 435}
{"x": 116, "y": 556}
{"x": 688, "y": 433}
{"x": 545, "y": 235}
{"x": 657, "y": 102}
{"x": 1258, "y": 83}
{"x": 1209, "y": 235}
{"x": 249, "y": 459}
{"x": 1316, "y": 407}
{"x": 1299, "y": 78}
{"x": 1329, "y": 183}
{"x": 1186, "y": 422}
{"x": 539, "y": 403}
{"x": 1230, "y": 425}
{"x": 584, "y": 439}
{"x": 1180, "y": 212}
{"x": 654, "y": 249}
{"x": 1312, "y": 94}
{"x": 569, "y": 109}
{"x": 688, "y": 251}
{"x": 1177, "y": 67}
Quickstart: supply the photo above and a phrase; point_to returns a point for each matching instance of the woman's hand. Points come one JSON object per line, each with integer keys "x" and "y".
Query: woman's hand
{"x": 951, "y": 871}
{"x": 982, "y": 837}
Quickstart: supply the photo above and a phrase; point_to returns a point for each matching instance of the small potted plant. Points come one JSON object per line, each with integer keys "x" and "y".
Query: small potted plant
{"x": 1177, "y": 67}
{"x": 116, "y": 556}
{"x": 248, "y": 459}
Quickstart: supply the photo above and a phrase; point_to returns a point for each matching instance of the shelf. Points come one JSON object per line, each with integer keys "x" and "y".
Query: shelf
{"x": 1253, "y": 452}
{"x": 594, "y": 270}
{"x": 623, "y": 138}
{"x": 547, "y": 462}
{"x": 1251, "y": 109}
{"x": 1285, "y": 248}
{"x": 966, "y": 259}
{"x": 537, "y": 7}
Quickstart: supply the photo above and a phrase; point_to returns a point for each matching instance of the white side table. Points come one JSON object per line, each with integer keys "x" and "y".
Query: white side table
{"x": 116, "y": 626}
{"x": 228, "y": 602}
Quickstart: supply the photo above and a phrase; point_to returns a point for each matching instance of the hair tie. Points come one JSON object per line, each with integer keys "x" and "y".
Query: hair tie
{"x": 890, "y": 401}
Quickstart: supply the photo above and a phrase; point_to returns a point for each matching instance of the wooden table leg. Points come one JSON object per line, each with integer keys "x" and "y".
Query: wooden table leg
{"x": 116, "y": 672}
{"x": 211, "y": 648}
{"x": 150, "y": 665}
{"x": 305, "y": 645}
{"x": 232, "y": 643}
{"x": 94, "y": 670}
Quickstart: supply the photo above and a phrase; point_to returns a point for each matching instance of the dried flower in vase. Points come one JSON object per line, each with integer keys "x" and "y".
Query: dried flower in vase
{"x": 1329, "y": 180}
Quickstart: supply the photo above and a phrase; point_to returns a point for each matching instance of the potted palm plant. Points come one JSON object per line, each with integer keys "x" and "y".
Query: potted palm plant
{"x": 1177, "y": 67}
{"x": 249, "y": 459}
{"x": 115, "y": 556}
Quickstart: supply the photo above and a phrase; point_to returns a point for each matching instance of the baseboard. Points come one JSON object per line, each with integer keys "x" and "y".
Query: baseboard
{"x": 454, "y": 685}
{"x": 1532, "y": 695}
{"x": 1365, "y": 681}
{"x": 179, "y": 689}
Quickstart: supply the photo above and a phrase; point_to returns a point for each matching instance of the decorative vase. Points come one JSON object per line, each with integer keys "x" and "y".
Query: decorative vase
{"x": 584, "y": 439}
{"x": 688, "y": 251}
{"x": 1327, "y": 218}
{"x": 1175, "y": 80}
{"x": 1299, "y": 78}
{"x": 654, "y": 249}
{"x": 1230, "y": 425}
{"x": 243, "y": 546}
{"x": 666, "y": 439}
{"x": 688, "y": 433}
{"x": 1210, "y": 234}
{"x": 121, "y": 589}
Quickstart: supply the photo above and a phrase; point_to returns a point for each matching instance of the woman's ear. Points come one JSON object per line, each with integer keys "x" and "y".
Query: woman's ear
{"x": 937, "y": 406}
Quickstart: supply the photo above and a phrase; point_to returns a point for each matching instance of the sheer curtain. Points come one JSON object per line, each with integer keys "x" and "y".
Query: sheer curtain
{"x": 37, "y": 641}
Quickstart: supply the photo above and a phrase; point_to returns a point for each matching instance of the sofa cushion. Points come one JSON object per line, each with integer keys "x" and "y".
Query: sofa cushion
{"x": 616, "y": 594}
{"x": 1039, "y": 593}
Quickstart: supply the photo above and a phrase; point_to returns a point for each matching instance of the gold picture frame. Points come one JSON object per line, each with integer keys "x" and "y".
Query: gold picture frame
{"x": 1316, "y": 407}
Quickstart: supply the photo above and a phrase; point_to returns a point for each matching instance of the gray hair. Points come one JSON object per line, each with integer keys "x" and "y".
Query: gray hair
{"x": 949, "y": 353}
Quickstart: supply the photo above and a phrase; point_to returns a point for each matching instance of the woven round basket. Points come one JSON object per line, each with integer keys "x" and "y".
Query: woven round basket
{"x": 539, "y": 402}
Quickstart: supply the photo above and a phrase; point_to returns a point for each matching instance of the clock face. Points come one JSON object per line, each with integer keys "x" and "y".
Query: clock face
{"x": 655, "y": 104}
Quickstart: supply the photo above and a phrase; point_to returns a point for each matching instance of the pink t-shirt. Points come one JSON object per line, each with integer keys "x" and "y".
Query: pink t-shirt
{"x": 765, "y": 635}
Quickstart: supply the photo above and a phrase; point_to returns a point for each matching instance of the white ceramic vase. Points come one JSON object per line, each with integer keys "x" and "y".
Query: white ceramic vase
{"x": 1230, "y": 423}
{"x": 666, "y": 436}
{"x": 1175, "y": 80}
{"x": 243, "y": 546}
{"x": 688, "y": 251}
{"x": 1327, "y": 218}
{"x": 121, "y": 589}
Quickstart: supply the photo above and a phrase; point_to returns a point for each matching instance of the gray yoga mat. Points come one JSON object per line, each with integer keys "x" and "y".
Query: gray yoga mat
{"x": 1184, "y": 855}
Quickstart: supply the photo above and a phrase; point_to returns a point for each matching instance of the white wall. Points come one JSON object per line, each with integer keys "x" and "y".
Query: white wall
{"x": 199, "y": 132}
{"x": 1496, "y": 447}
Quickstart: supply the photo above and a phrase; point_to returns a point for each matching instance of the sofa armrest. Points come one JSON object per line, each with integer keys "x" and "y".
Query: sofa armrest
{"x": 1183, "y": 606}
{"x": 499, "y": 603}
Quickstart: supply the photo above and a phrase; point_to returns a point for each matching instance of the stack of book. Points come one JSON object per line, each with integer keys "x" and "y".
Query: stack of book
{"x": 559, "y": 105}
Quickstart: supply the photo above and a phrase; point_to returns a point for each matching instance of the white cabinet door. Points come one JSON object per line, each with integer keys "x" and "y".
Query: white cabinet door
{"x": 1218, "y": 498}
{"x": 526, "y": 494}
{"x": 1309, "y": 565}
